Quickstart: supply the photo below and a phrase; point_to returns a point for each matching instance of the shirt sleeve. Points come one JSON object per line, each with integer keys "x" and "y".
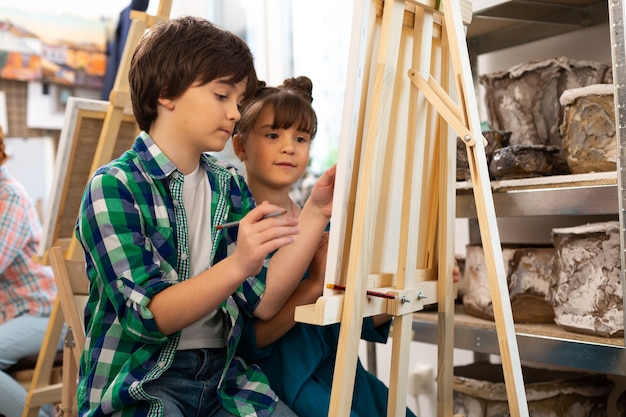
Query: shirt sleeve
{"x": 13, "y": 228}
{"x": 247, "y": 347}
{"x": 378, "y": 334}
{"x": 123, "y": 258}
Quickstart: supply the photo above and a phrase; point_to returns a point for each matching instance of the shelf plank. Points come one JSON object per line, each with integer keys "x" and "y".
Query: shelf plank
{"x": 540, "y": 343}
{"x": 554, "y": 181}
{"x": 579, "y": 194}
{"x": 499, "y": 24}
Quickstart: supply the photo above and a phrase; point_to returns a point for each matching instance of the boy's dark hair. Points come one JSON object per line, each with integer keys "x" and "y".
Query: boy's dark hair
{"x": 178, "y": 52}
{"x": 292, "y": 107}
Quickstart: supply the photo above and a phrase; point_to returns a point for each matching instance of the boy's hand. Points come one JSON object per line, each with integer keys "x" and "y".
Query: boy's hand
{"x": 259, "y": 236}
{"x": 322, "y": 192}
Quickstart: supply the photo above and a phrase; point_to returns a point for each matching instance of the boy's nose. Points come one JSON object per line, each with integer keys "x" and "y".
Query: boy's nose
{"x": 233, "y": 113}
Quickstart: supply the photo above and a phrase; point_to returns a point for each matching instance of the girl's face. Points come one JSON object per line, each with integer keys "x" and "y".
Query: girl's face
{"x": 276, "y": 158}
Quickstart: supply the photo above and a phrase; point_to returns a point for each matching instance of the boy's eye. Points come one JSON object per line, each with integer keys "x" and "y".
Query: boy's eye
{"x": 272, "y": 135}
{"x": 302, "y": 139}
{"x": 221, "y": 97}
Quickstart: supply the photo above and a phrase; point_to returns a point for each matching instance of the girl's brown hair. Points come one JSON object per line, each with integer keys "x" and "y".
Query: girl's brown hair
{"x": 292, "y": 107}
{"x": 175, "y": 54}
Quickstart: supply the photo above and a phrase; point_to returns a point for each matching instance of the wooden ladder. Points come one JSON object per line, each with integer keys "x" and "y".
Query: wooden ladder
{"x": 392, "y": 229}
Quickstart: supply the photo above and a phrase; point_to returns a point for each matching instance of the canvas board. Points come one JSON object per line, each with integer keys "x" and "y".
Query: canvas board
{"x": 82, "y": 125}
{"x": 390, "y": 136}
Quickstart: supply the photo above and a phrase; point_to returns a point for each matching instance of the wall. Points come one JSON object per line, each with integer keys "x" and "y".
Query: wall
{"x": 31, "y": 163}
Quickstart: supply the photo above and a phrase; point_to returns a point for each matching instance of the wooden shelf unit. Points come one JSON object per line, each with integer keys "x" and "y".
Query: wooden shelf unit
{"x": 499, "y": 24}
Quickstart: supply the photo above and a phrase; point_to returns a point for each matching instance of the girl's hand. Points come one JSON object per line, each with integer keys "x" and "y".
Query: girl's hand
{"x": 259, "y": 236}
{"x": 322, "y": 192}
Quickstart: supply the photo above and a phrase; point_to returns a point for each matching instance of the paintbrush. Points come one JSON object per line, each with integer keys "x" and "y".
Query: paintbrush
{"x": 233, "y": 224}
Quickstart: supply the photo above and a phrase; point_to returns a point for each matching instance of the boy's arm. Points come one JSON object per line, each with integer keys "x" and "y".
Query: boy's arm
{"x": 139, "y": 286}
{"x": 289, "y": 264}
{"x": 182, "y": 304}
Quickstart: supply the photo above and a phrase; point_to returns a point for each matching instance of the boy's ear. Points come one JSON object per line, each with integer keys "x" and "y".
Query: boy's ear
{"x": 238, "y": 147}
{"x": 166, "y": 102}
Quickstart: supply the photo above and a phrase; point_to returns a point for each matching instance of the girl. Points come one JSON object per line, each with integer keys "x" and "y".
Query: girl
{"x": 273, "y": 139}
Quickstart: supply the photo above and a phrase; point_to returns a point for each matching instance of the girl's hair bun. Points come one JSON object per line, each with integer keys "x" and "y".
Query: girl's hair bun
{"x": 301, "y": 85}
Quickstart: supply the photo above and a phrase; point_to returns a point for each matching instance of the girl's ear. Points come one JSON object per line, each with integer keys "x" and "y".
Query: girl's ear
{"x": 238, "y": 147}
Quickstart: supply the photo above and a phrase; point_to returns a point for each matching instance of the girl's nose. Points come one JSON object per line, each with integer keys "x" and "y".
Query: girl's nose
{"x": 287, "y": 147}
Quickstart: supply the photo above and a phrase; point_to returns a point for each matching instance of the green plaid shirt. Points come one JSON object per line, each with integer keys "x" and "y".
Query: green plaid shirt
{"x": 133, "y": 229}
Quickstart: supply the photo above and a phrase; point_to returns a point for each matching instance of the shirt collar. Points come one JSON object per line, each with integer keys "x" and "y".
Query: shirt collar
{"x": 159, "y": 166}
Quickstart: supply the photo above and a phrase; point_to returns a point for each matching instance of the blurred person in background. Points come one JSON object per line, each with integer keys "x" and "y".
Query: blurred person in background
{"x": 27, "y": 288}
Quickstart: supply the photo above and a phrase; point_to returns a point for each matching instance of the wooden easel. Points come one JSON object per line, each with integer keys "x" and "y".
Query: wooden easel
{"x": 40, "y": 391}
{"x": 119, "y": 98}
{"x": 393, "y": 214}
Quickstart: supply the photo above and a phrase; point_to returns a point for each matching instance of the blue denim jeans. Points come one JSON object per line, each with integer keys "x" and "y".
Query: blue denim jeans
{"x": 19, "y": 337}
{"x": 189, "y": 386}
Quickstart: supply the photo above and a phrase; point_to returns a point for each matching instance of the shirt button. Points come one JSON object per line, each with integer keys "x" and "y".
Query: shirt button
{"x": 175, "y": 175}
{"x": 184, "y": 256}
{"x": 176, "y": 203}
{"x": 119, "y": 283}
{"x": 134, "y": 384}
{"x": 161, "y": 364}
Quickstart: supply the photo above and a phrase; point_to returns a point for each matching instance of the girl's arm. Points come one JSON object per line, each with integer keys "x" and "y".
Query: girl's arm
{"x": 289, "y": 264}
{"x": 307, "y": 292}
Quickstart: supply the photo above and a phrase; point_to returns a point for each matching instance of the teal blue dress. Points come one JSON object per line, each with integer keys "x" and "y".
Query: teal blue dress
{"x": 300, "y": 368}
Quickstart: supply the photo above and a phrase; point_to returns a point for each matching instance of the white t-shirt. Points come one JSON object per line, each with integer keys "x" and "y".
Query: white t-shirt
{"x": 207, "y": 332}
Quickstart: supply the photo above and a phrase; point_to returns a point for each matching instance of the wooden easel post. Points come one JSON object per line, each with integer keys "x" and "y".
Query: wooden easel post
{"x": 119, "y": 98}
{"x": 464, "y": 119}
{"x": 413, "y": 69}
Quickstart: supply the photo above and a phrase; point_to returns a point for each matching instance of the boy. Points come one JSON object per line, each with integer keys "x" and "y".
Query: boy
{"x": 162, "y": 325}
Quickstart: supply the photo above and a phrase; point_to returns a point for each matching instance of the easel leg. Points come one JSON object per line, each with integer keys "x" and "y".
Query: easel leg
{"x": 400, "y": 353}
{"x": 446, "y": 156}
{"x": 487, "y": 218}
{"x": 40, "y": 391}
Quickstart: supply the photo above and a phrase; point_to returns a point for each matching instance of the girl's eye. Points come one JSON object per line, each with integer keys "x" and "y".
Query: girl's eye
{"x": 221, "y": 97}
{"x": 272, "y": 135}
{"x": 301, "y": 139}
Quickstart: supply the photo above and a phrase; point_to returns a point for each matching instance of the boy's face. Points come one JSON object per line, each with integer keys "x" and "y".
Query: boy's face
{"x": 204, "y": 116}
{"x": 276, "y": 157}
